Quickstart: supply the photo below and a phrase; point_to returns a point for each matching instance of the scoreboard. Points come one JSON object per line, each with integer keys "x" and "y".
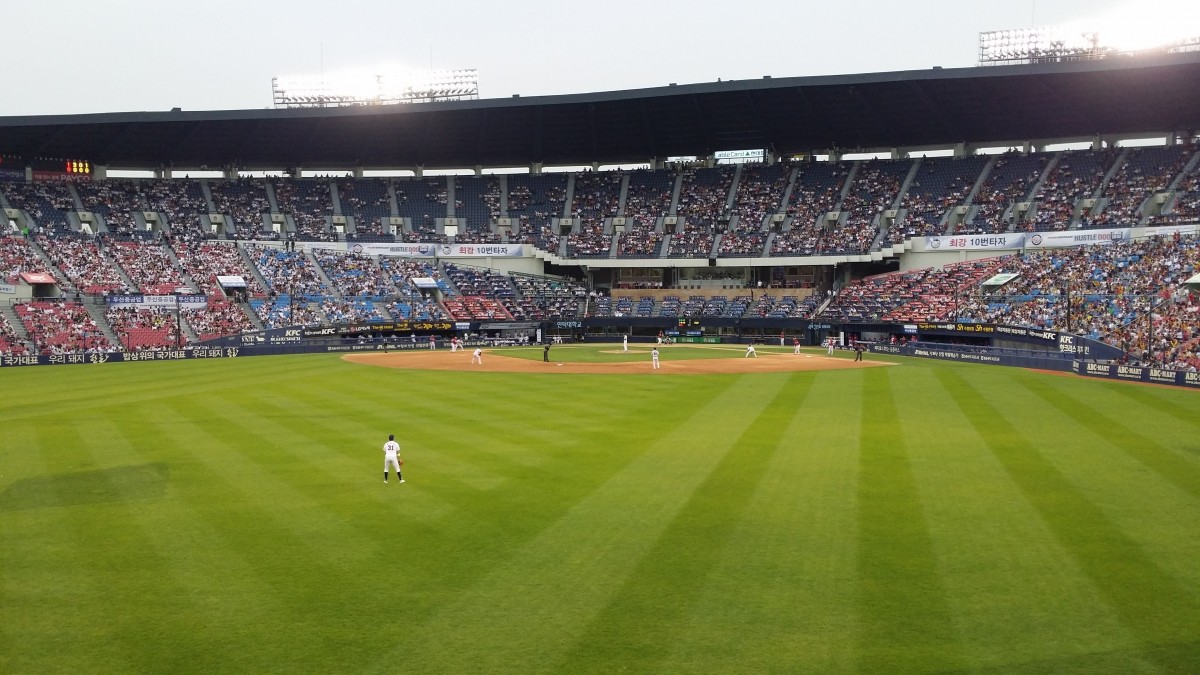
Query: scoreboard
{"x": 77, "y": 166}
{"x": 47, "y": 168}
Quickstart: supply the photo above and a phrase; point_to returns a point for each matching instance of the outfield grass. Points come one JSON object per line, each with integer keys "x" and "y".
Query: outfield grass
{"x": 230, "y": 516}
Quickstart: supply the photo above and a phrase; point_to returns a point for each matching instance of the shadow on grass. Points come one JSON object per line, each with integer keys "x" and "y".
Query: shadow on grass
{"x": 119, "y": 484}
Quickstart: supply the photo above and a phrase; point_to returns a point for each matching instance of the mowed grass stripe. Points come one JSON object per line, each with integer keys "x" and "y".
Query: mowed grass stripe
{"x": 1102, "y": 456}
{"x": 315, "y": 565}
{"x": 1162, "y": 400}
{"x": 536, "y": 605}
{"x": 542, "y": 409}
{"x": 310, "y": 565}
{"x": 782, "y": 594}
{"x": 473, "y": 419}
{"x": 84, "y": 389}
{"x": 1175, "y": 468}
{"x": 194, "y": 586}
{"x": 480, "y": 516}
{"x": 48, "y": 572}
{"x": 905, "y": 615}
{"x": 338, "y": 467}
{"x": 252, "y": 465}
{"x": 1011, "y": 587}
{"x": 1151, "y": 604}
{"x": 655, "y": 606}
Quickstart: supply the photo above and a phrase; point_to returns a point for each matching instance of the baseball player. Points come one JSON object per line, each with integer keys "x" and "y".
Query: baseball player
{"x": 391, "y": 458}
{"x": 750, "y": 351}
{"x": 795, "y": 345}
{"x": 654, "y": 359}
{"x": 477, "y": 356}
{"x": 625, "y": 342}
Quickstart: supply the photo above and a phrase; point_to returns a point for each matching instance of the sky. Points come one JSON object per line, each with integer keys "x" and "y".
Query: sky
{"x": 69, "y": 56}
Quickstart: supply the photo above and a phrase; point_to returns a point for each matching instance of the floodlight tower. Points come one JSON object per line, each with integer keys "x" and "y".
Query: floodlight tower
{"x": 308, "y": 91}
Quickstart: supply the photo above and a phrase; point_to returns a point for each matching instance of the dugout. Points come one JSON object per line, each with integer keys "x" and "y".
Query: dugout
{"x": 511, "y": 332}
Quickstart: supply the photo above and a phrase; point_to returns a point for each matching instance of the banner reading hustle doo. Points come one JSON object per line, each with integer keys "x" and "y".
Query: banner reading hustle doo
{"x": 1076, "y": 238}
{"x": 442, "y": 250}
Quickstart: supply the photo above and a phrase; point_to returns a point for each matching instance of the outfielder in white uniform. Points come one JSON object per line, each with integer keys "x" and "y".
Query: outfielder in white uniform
{"x": 391, "y": 458}
{"x": 477, "y": 357}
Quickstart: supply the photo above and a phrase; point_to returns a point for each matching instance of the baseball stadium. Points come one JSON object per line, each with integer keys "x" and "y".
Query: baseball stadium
{"x": 880, "y": 372}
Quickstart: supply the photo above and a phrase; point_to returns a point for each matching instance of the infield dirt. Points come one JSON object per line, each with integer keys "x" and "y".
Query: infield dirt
{"x": 496, "y": 362}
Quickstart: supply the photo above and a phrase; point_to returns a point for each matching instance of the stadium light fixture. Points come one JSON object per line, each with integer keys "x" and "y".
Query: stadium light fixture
{"x": 1130, "y": 29}
{"x": 388, "y": 88}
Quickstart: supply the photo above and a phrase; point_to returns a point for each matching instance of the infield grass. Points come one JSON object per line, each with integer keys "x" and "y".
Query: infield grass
{"x": 230, "y": 516}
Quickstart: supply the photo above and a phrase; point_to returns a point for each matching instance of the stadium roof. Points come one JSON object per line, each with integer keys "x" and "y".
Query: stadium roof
{"x": 1121, "y": 95}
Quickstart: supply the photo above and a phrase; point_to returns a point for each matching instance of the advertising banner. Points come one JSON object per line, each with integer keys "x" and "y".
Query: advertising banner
{"x": 1169, "y": 230}
{"x": 58, "y": 176}
{"x": 1075, "y": 238}
{"x": 119, "y": 357}
{"x": 390, "y": 327}
{"x": 186, "y": 302}
{"x": 1111, "y": 371}
{"x": 975, "y": 242}
{"x": 442, "y": 250}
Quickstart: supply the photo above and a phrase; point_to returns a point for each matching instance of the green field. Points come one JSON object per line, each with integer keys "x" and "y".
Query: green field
{"x": 230, "y": 516}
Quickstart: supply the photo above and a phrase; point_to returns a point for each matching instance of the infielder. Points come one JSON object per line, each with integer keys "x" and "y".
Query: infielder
{"x": 391, "y": 457}
{"x": 654, "y": 359}
{"x": 750, "y": 351}
{"x": 829, "y": 343}
{"x": 625, "y": 343}
{"x": 477, "y": 356}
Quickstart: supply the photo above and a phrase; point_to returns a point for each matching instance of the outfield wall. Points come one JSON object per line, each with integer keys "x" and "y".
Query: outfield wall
{"x": 966, "y": 355}
{"x": 218, "y": 352}
{"x": 1112, "y": 371}
{"x": 994, "y": 357}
